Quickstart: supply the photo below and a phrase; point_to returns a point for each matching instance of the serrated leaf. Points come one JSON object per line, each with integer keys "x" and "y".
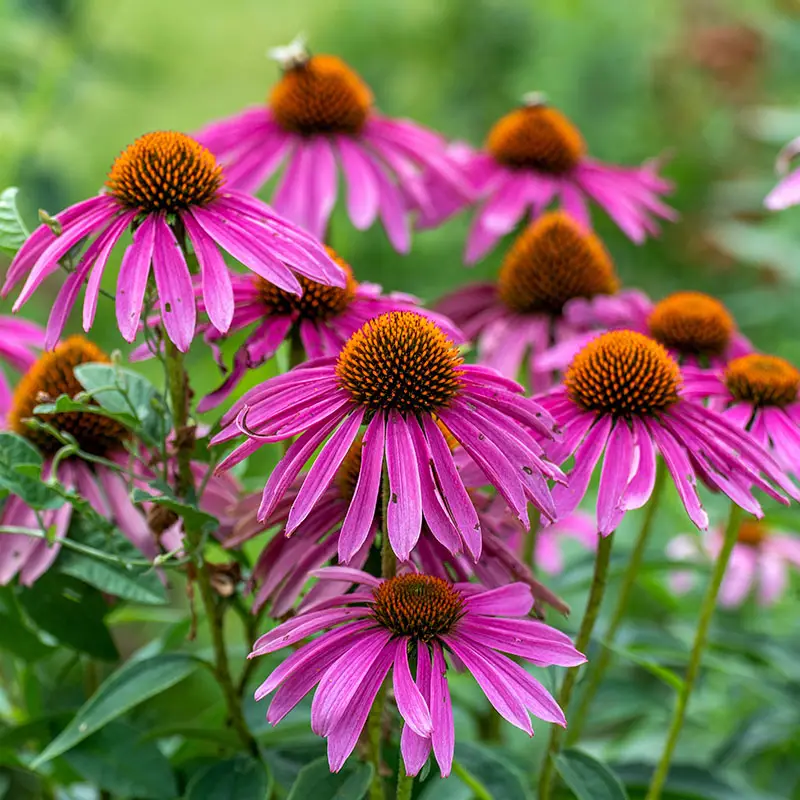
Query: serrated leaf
{"x": 72, "y": 612}
{"x": 589, "y": 778}
{"x": 240, "y": 778}
{"x": 316, "y": 780}
{"x": 118, "y": 760}
{"x": 500, "y": 777}
{"x": 13, "y": 232}
{"x": 123, "y": 391}
{"x": 130, "y": 685}
{"x": 139, "y": 584}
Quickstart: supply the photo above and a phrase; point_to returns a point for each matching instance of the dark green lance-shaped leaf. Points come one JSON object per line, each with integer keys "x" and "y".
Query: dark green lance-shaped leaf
{"x": 240, "y": 778}
{"x": 500, "y": 777}
{"x": 122, "y": 391}
{"x": 15, "y": 635}
{"x": 130, "y": 685}
{"x": 71, "y": 612}
{"x": 316, "y": 780}
{"x": 118, "y": 760}
{"x": 137, "y": 583}
{"x": 589, "y": 778}
{"x": 13, "y": 232}
{"x": 162, "y": 495}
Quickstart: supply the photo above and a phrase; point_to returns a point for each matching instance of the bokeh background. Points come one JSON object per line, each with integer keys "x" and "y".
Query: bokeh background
{"x": 711, "y": 86}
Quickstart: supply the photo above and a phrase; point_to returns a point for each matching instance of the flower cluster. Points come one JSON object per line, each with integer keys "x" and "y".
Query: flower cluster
{"x": 423, "y": 489}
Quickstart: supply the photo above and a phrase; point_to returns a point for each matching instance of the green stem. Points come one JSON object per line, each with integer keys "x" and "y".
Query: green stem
{"x": 178, "y": 385}
{"x": 596, "y": 592}
{"x": 597, "y": 668}
{"x": 375, "y": 720}
{"x": 698, "y": 647}
{"x": 405, "y": 783}
{"x": 529, "y": 546}
{"x": 478, "y": 789}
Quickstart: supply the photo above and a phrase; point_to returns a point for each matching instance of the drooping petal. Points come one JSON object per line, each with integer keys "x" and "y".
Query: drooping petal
{"x": 132, "y": 281}
{"x": 404, "y": 512}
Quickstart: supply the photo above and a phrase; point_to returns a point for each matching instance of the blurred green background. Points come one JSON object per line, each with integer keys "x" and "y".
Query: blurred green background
{"x": 711, "y": 84}
{"x": 707, "y": 83}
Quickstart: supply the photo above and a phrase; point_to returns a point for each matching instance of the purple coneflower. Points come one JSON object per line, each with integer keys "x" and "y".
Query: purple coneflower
{"x": 105, "y": 488}
{"x": 535, "y": 155}
{"x": 623, "y": 394}
{"x": 169, "y": 189}
{"x": 400, "y": 375}
{"x": 50, "y": 376}
{"x": 286, "y": 562}
{"x": 18, "y": 338}
{"x": 385, "y": 623}
{"x": 516, "y": 318}
{"x": 760, "y": 393}
{"x": 321, "y": 117}
{"x": 760, "y": 561}
{"x": 321, "y": 320}
{"x": 696, "y": 328}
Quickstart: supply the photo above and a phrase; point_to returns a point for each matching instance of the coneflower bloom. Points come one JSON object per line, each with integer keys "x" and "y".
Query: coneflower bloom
{"x": 534, "y": 155}
{"x": 760, "y": 562}
{"x": 760, "y": 393}
{"x": 321, "y": 319}
{"x": 168, "y": 189}
{"x": 381, "y": 626}
{"x": 50, "y": 376}
{"x": 400, "y": 375}
{"x": 18, "y": 338}
{"x": 516, "y": 318}
{"x": 623, "y": 395}
{"x": 286, "y": 563}
{"x": 787, "y": 192}
{"x": 319, "y": 118}
{"x": 696, "y": 328}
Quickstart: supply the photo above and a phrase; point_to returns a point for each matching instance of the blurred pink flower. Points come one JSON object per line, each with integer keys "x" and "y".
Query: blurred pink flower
{"x": 760, "y": 562}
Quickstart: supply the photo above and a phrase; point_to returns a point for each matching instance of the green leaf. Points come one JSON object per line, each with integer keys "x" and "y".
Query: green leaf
{"x": 130, "y": 685}
{"x": 588, "y": 778}
{"x": 501, "y": 778}
{"x": 665, "y": 674}
{"x": 20, "y": 473}
{"x": 316, "y": 780}
{"x": 72, "y": 612}
{"x": 191, "y": 514}
{"x": 118, "y": 760}
{"x": 16, "y": 451}
{"x": 123, "y": 391}
{"x": 240, "y": 778}
{"x": 139, "y": 584}
{"x": 15, "y": 635}
{"x": 13, "y": 232}
{"x": 65, "y": 404}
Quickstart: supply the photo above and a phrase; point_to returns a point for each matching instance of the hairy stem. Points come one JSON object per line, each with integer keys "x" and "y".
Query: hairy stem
{"x": 698, "y": 647}
{"x": 596, "y": 592}
{"x": 405, "y": 783}
{"x": 597, "y": 668}
{"x": 178, "y": 385}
